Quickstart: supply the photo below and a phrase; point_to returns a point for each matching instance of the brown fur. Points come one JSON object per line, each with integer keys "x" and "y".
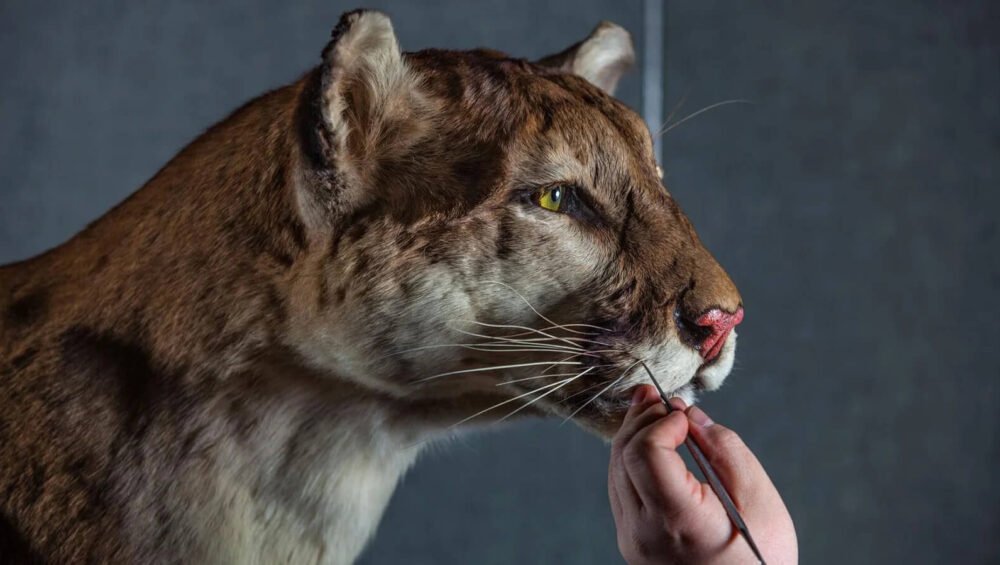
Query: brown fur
{"x": 172, "y": 325}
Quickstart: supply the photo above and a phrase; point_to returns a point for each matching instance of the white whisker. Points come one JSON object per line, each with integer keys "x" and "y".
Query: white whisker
{"x": 540, "y": 315}
{"x": 467, "y": 345}
{"x": 509, "y": 400}
{"x": 544, "y": 376}
{"x": 665, "y": 130}
{"x": 676, "y": 109}
{"x": 549, "y": 368}
{"x": 534, "y": 400}
{"x": 564, "y": 326}
{"x": 571, "y": 347}
{"x": 498, "y": 346}
{"x": 534, "y": 378}
{"x": 573, "y": 339}
{"x": 600, "y": 392}
{"x": 579, "y": 392}
{"x": 510, "y": 337}
{"x": 497, "y": 367}
{"x": 539, "y": 330}
{"x": 526, "y": 350}
{"x": 488, "y": 325}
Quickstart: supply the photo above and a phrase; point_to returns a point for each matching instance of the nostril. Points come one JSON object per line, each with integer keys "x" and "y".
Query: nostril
{"x": 690, "y": 331}
{"x": 708, "y": 332}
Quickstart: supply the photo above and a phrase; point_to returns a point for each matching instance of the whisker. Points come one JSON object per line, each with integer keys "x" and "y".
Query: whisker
{"x": 518, "y": 343}
{"x": 579, "y": 339}
{"x": 566, "y": 326}
{"x": 549, "y": 368}
{"x": 509, "y": 348}
{"x": 600, "y": 392}
{"x": 676, "y": 109}
{"x": 540, "y": 315}
{"x": 536, "y": 377}
{"x": 579, "y": 392}
{"x": 541, "y": 347}
{"x": 528, "y": 341}
{"x": 496, "y": 367}
{"x": 485, "y": 324}
{"x": 665, "y": 130}
{"x": 554, "y": 347}
{"x": 527, "y": 350}
{"x": 509, "y": 400}
{"x": 544, "y": 376}
{"x": 541, "y": 340}
{"x": 540, "y": 330}
{"x": 534, "y": 400}
{"x": 527, "y": 332}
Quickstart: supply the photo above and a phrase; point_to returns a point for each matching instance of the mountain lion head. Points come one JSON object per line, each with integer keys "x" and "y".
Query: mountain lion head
{"x": 497, "y": 228}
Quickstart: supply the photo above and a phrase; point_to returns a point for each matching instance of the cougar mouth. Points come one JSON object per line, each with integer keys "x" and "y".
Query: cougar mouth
{"x": 598, "y": 405}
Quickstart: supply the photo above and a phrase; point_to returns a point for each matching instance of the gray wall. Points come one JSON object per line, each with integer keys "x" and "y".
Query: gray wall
{"x": 854, "y": 203}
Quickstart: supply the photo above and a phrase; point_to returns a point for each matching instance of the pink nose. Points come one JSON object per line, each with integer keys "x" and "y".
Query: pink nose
{"x": 719, "y": 324}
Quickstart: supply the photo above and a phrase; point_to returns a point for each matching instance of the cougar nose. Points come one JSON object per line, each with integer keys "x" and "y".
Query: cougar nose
{"x": 712, "y": 329}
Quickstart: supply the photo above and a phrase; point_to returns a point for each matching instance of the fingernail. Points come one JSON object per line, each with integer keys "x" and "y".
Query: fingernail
{"x": 677, "y": 404}
{"x": 638, "y": 394}
{"x": 699, "y": 417}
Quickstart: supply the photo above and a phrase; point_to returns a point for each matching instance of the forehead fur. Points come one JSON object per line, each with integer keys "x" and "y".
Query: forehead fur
{"x": 513, "y": 99}
{"x": 502, "y": 122}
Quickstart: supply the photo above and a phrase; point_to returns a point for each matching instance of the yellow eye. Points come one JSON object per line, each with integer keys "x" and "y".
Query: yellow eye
{"x": 551, "y": 198}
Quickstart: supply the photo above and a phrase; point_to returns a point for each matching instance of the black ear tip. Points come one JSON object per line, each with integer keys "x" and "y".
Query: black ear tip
{"x": 347, "y": 19}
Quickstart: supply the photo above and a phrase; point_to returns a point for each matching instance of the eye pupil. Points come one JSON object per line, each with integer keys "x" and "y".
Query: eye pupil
{"x": 550, "y": 198}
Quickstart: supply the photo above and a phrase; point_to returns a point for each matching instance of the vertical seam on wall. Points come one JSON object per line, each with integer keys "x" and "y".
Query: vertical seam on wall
{"x": 652, "y": 71}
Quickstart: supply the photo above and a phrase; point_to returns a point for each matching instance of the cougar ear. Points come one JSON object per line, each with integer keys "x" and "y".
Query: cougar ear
{"x": 368, "y": 102}
{"x": 602, "y": 58}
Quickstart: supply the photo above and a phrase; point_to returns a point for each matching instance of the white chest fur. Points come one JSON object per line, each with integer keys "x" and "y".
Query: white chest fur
{"x": 311, "y": 491}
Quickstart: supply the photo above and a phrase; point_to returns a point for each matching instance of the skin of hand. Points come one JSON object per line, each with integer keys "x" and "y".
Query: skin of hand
{"x": 664, "y": 514}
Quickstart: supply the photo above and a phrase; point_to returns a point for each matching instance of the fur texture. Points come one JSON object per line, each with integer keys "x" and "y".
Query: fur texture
{"x": 236, "y": 364}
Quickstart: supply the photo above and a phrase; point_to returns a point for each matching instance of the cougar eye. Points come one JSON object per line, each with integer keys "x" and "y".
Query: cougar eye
{"x": 551, "y": 197}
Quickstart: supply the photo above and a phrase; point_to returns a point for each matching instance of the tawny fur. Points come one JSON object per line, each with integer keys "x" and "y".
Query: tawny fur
{"x": 231, "y": 365}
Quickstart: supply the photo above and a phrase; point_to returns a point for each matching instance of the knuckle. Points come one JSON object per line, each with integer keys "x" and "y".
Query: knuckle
{"x": 649, "y": 442}
{"x": 631, "y": 453}
{"x": 649, "y": 445}
{"x": 729, "y": 440}
{"x": 636, "y": 453}
{"x": 727, "y": 446}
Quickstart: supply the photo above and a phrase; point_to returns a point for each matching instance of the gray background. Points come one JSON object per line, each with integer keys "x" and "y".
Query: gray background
{"x": 854, "y": 204}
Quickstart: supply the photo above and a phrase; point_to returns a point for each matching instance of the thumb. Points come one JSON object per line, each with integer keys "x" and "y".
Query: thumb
{"x": 732, "y": 460}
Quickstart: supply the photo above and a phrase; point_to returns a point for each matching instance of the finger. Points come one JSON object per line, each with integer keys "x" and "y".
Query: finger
{"x": 677, "y": 403}
{"x": 732, "y": 460}
{"x": 646, "y": 408}
{"x": 656, "y": 470}
{"x": 618, "y": 482}
{"x": 625, "y": 503}
{"x": 624, "y": 488}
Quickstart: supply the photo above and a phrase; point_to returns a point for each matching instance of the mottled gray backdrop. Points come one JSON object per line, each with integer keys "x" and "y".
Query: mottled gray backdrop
{"x": 854, "y": 203}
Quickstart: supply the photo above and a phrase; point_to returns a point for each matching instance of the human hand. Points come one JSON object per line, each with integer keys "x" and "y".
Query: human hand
{"x": 664, "y": 514}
